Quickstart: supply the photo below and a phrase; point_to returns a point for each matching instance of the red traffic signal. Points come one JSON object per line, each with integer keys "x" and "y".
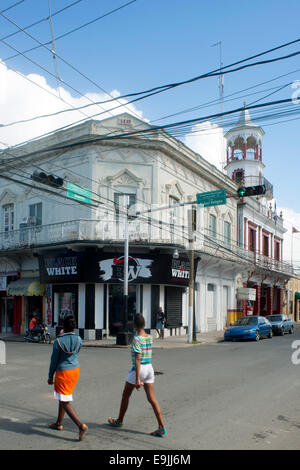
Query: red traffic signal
{"x": 49, "y": 180}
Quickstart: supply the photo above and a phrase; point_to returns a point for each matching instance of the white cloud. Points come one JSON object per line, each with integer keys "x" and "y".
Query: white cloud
{"x": 27, "y": 96}
{"x": 207, "y": 139}
{"x": 291, "y": 242}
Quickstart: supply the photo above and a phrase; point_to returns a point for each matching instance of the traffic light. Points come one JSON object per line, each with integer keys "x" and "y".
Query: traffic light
{"x": 251, "y": 191}
{"x": 49, "y": 180}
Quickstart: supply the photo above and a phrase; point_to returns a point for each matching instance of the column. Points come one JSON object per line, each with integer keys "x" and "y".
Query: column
{"x": 147, "y": 304}
{"x": 245, "y": 151}
{"x": 270, "y": 294}
{"x": 256, "y": 309}
{"x": 280, "y": 300}
{"x": 81, "y": 306}
{"x": 232, "y": 152}
{"x": 99, "y": 306}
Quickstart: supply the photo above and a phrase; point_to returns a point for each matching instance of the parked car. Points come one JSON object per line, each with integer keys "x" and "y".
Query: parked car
{"x": 281, "y": 324}
{"x": 250, "y": 327}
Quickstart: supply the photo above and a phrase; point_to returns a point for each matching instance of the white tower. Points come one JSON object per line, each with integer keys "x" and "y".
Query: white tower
{"x": 244, "y": 151}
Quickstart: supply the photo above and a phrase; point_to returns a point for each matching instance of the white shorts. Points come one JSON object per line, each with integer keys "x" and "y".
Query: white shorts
{"x": 60, "y": 397}
{"x": 146, "y": 375}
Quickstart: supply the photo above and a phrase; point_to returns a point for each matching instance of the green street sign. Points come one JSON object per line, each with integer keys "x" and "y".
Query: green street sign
{"x": 78, "y": 193}
{"x": 211, "y": 198}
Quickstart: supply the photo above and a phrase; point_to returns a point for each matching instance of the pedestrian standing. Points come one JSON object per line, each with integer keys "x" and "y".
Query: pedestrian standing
{"x": 160, "y": 323}
{"x": 141, "y": 374}
{"x": 65, "y": 366}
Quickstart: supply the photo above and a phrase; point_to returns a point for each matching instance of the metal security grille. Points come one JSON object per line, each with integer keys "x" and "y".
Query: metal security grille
{"x": 173, "y": 306}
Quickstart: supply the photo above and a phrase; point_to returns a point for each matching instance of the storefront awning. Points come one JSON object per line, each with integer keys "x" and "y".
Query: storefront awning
{"x": 297, "y": 295}
{"x": 26, "y": 286}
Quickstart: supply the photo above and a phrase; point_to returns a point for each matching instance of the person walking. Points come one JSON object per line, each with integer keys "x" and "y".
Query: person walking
{"x": 160, "y": 323}
{"x": 65, "y": 366}
{"x": 141, "y": 374}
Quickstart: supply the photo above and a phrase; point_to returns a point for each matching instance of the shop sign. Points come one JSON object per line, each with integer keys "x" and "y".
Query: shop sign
{"x": 63, "y": 268}
{"x": 246, "y": 293}
{"x": 144, "y": 269}
{"x": 88, "y": 267}
{"x": 49, "y": 303}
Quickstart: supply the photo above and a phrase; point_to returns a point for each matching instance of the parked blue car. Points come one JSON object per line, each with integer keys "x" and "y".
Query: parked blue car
{"x": 251, "y": 327}
{"x": 281, "y": 324}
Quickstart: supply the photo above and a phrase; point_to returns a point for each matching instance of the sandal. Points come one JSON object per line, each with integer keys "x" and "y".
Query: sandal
{"x": 57, "y": 427}
{"x": 159, "y": 432}
{"x": 115, "y": 422}
{"x": 82, "y": 431}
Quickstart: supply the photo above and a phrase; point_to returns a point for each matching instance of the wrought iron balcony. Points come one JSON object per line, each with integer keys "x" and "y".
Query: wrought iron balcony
{"x": 259, "y": 180}
{"x": 91, "y": 231}
{"x": 219, "y": 246}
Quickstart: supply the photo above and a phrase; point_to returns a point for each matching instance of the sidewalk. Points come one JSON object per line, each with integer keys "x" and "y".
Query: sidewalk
{"x": 171, "y": 342}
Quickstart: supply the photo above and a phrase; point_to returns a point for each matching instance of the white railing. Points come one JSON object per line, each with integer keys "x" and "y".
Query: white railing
{"x": 146, "y": 231}
{"x": 219, "y": 246}
{"x": 92, "y": 230}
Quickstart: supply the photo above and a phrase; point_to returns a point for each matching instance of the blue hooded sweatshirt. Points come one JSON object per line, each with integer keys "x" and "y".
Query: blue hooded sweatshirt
{"x": 64, "y": 354}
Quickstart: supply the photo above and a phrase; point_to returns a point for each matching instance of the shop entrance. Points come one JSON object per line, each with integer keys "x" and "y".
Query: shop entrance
{"x": 34, "y": 304}
{"x": 7, "y": 314}
{"x": 116, "y": 307}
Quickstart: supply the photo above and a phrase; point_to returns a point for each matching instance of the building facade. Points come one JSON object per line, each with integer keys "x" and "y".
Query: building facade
{"x": 260, "y": 229}
{"x": 62, "y": 243}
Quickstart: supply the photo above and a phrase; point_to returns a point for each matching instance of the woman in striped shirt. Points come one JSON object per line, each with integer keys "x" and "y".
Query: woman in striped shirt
{"x": 141, "y": 374}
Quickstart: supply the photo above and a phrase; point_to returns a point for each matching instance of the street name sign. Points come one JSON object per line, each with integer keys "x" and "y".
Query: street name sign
{"x": 77, "y": 192}
{"x": 211, "y": 198}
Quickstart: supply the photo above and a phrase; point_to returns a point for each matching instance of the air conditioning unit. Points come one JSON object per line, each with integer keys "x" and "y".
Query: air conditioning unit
{"x": 29, "y": 221}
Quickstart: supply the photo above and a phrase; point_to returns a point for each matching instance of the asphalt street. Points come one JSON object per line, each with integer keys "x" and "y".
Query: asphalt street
{"x": 242, "y": 395}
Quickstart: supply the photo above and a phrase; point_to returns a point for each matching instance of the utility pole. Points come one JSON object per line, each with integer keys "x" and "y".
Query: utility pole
{"x": 191, "y": 235}
{"x": 123, "y": 337}
{"x": 126, "y": 253}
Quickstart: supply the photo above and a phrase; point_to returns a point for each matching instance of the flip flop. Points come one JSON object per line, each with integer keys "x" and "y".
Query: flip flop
{"x": 57, "y": 427}
{"x": 82, "y": 431}
{"x": 159, "y": 432}
{"x": 114, "y": 422}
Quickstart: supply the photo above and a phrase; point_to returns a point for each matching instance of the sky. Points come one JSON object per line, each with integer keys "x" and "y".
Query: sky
{"x": 147, "y": 43}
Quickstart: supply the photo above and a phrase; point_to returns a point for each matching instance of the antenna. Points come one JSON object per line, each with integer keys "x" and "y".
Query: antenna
{"x": 221, "y": 95}
{"x": 58, "y": 79}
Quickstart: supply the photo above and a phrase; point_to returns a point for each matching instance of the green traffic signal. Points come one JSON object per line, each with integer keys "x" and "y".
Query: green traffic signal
{"x": 241, "y": 192}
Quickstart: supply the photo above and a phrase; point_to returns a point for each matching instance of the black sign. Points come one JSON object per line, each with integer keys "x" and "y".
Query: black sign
{"x": 62, "y": 268}
{"x": 109, "y": 268}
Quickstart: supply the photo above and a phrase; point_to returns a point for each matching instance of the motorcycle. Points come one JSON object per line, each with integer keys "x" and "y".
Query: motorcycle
{"x": 40, "y": 336}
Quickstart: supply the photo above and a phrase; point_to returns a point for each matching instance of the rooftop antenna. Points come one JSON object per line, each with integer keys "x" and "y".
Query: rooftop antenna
{"x": 58, "y": 79}
{"x": 221, "y": 97}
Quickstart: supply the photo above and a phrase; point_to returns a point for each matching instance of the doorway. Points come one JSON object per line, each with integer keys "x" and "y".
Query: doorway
{"x": 116, "y": 307}
{"x": 7, "y": 314}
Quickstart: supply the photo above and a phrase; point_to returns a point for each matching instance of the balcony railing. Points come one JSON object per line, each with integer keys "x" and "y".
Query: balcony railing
{"x": 220, "y": 246}
{"x": 92, "y": 230}
{"x": 150, "y": 231}
{"x": 258, "y": 180}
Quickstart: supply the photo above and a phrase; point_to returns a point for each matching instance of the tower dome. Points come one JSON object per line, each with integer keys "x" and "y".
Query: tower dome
{"x": 244, "y": 150}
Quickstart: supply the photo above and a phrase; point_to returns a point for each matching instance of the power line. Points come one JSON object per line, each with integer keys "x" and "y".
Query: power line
{"x": 71, "y": 31}
{"x": 12, "y": 6}
{"x": 62, "y": 59}
{"x": 38, "y": 21}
